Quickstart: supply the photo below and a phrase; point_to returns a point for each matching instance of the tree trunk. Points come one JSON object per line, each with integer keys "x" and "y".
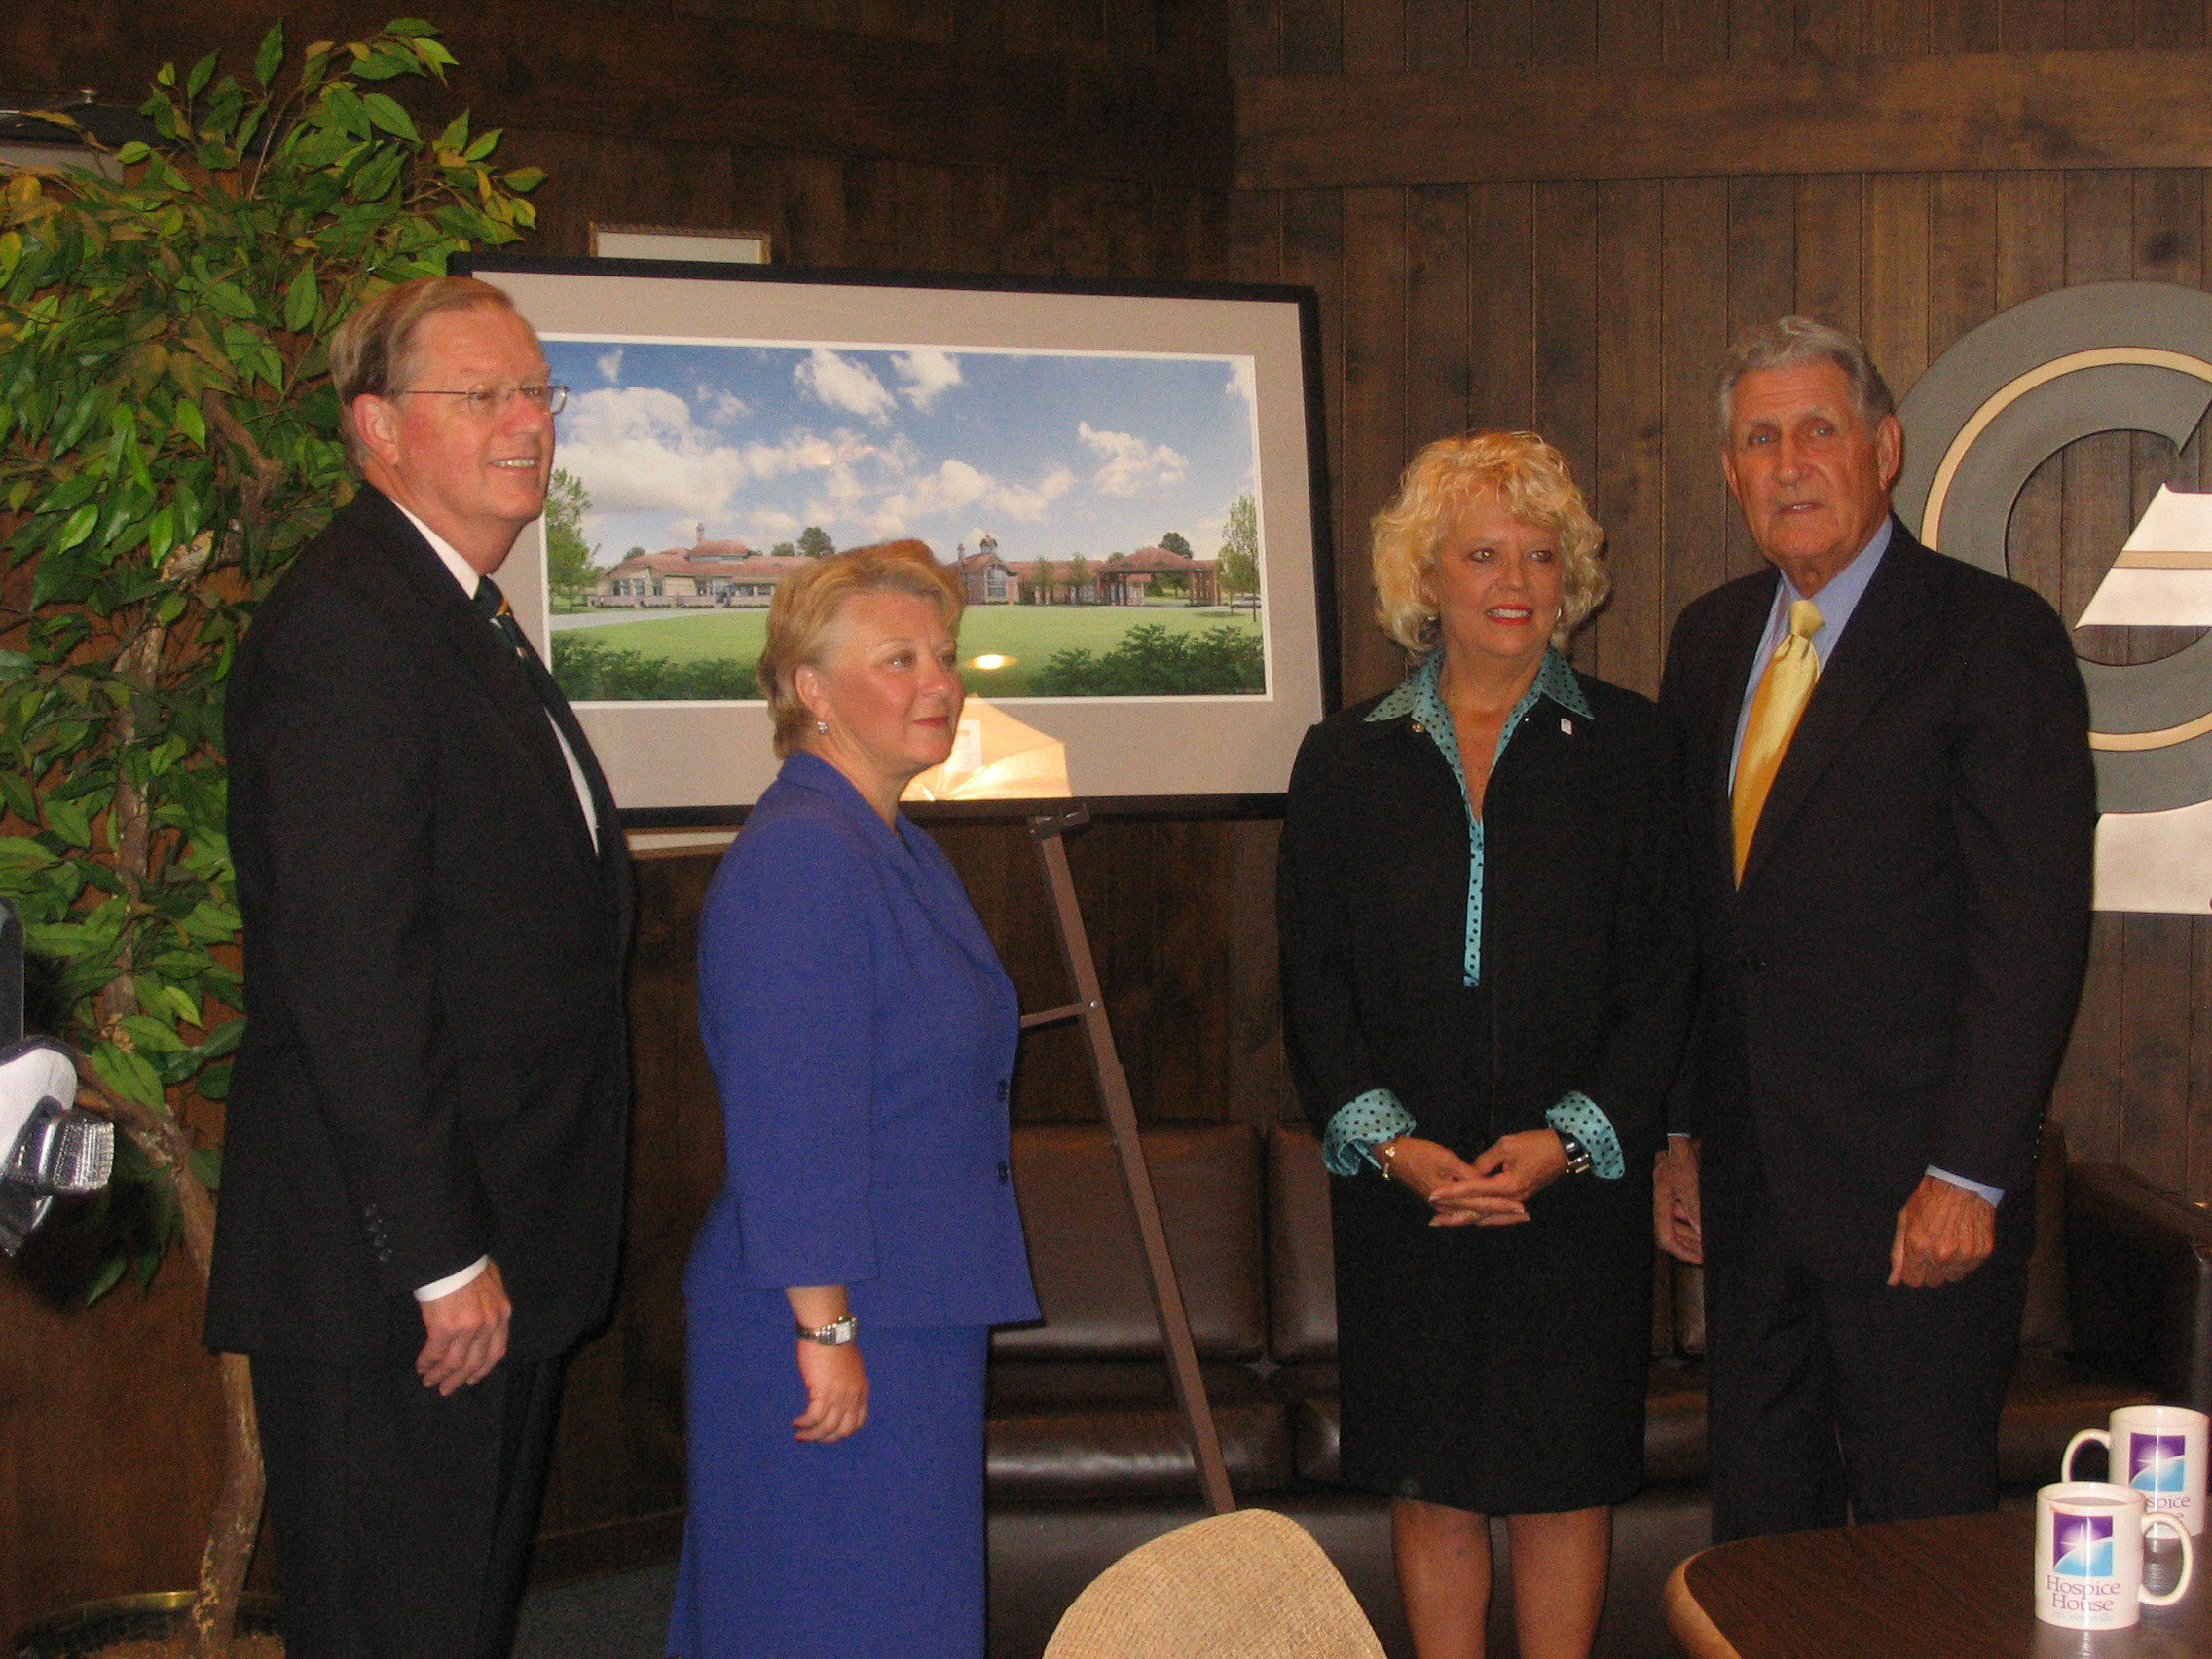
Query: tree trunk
{"x": 236, "y": 1523}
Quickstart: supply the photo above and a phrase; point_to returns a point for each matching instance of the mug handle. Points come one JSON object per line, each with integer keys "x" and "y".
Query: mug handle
{"x": 2151, "y": 1522}
{"x": 2066, "y": 1463}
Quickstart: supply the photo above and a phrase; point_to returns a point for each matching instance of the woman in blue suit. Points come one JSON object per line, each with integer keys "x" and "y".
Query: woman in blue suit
{"x": 861, "y": 1034}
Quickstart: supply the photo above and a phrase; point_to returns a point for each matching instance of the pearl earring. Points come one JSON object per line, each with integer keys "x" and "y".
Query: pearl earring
{"x": 822, "y": 726}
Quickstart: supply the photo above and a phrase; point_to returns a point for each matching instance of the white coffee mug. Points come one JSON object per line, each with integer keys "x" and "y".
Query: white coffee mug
{"x": 2160, "y": 1452}
{"x": 2089, "y": 1556}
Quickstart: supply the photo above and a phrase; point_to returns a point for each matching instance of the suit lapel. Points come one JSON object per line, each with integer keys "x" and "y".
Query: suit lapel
{"x": 503, "y": 679}
{"x": 1890, "y": 624}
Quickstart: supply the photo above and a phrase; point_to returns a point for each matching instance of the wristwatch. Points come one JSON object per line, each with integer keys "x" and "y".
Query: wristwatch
{"x": 1577, "y": 1155}
{"x": 841, "y": 1331}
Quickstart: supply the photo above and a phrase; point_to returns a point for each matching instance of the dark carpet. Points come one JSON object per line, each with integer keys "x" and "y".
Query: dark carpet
{"x": 621, "y": 1616}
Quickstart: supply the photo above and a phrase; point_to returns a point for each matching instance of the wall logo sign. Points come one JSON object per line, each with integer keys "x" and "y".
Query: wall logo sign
{"x": 2104, "y": 357}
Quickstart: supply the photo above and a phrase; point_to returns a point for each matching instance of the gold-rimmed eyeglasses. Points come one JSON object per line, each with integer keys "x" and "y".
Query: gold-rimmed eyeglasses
{"x": 490, "y": 399}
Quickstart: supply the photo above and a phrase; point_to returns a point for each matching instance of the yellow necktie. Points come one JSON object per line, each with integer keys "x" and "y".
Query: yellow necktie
{"x": 1784, "y": 691}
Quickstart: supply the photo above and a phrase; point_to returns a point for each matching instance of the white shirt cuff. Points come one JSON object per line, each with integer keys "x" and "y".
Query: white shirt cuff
{"x": 452, "y": 1283}
{"x": 1995, "y": 1194}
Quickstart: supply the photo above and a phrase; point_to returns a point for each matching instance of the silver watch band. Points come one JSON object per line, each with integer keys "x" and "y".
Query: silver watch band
{"x": 834, "y": 1334}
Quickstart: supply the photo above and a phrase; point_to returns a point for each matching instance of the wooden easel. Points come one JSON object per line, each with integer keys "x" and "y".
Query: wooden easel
{"x": 1089, "y": 1006}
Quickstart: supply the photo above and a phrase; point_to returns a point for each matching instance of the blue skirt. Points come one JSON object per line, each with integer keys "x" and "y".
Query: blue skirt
{"x": 870, "y": 1545}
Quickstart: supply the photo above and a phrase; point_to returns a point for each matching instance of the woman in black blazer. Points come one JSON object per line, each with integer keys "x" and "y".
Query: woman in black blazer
{"x": 1487, "y": 961}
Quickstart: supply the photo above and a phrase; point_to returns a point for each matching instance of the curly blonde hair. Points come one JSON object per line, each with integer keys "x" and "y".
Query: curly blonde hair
{"x": 1529, "y": 479}
{"x": 802, "y": 617}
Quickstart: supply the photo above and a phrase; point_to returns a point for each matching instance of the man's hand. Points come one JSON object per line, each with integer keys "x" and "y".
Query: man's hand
{"x": 1677, "y": 1209}
{"x": 468, "y": 1333}
{"x": 1944, "y": 1234}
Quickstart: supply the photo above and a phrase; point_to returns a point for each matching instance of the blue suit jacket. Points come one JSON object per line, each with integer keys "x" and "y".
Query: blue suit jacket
{"x": 862, "y": 1032}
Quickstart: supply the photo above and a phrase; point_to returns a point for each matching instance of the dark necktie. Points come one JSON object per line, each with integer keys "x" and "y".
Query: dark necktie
{"x": 491, "y": 605}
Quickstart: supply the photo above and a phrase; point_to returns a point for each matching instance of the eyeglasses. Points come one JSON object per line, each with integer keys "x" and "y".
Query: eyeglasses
{"x": 490, "y": 399}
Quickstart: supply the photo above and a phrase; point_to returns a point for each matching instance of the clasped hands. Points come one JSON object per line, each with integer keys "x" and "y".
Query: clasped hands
{"x": 1494, "y": 1190}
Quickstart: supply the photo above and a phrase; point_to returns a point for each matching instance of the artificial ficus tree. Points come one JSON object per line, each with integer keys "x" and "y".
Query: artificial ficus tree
{"x": 169, "y": 442}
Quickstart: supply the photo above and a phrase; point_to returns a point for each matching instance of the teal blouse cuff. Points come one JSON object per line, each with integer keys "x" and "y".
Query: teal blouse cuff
{"x": 1358, "y": 1126}
{"x": 1367, "y": 1121}
{"x": 1581, "y": 1117}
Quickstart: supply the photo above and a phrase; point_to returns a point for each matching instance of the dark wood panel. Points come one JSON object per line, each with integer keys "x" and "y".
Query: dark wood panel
{"x": 1501, "y": 375}
{"x": 643, "y": 73}
{"x": 1375, "y": 444}
{"x": 1893, "y": 313}
{"x": 110, "y": 1443}
{"x": 1565, "y": 322}
{"x": 1762, "y": 284}
{"x": 1630, "y": 489}
{"x": 2156, "y": 992}
{"x": 1695, "y": 320}
{"x": 1830, "y": 214}
{"x": 1439, "y": 273}
{"x": 1924, "y": 113}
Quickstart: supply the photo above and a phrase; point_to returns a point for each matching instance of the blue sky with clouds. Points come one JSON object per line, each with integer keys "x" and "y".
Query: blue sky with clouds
{"x": 1055, "y": 454}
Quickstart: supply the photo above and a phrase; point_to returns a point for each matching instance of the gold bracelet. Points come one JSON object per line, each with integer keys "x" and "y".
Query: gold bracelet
{"x": 1387, "y": 1157}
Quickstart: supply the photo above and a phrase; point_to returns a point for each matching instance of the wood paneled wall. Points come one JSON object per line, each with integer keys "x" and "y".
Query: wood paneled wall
{"x": 1120, "y": 170}
{"x": 1595, "y": 311}
{"x": 1592, "y": 309}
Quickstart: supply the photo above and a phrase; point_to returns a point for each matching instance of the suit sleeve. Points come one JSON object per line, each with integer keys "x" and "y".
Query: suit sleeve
{"x": 1687, "y": 1092}
{"x": 787, "y": 1009}
{"x": 1329, "y": 1063}
{"x": 1655, "y": 960}
{"x": 341, "y": 745}
{"x": 2024, "y": 809}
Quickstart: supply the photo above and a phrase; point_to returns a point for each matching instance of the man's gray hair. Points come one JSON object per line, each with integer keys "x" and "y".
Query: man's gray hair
{"x": 1790, "y": 341}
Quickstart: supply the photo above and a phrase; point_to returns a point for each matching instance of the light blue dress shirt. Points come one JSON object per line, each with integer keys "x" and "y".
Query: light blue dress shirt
{"x": 1837, "y": 601}
{"x": 1367, "y": 1121}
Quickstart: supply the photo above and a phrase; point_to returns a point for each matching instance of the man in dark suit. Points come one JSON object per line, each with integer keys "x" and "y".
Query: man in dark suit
{"x": 422, "y": 1200}
{"x": 1891, "y": 817}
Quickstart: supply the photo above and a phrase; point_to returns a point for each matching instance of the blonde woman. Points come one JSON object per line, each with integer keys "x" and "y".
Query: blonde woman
{"x": 1486, "y": 963}
{"x": 862, "y": 1035}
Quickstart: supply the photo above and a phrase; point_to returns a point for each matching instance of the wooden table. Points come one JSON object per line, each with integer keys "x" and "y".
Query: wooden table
{"x": 1957, "y": 1588}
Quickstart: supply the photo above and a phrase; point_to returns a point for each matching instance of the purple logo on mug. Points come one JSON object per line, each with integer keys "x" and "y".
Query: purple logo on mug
{"x": 2155, "y": 1462}
{"x": 2080, "y": 1545}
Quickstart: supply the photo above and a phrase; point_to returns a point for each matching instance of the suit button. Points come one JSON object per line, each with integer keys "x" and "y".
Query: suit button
{"x": 1751, "y": 961}
{"x": 1006, "y": 1172}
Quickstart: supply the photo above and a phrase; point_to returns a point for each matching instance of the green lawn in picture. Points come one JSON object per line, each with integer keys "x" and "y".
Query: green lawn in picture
{"x": 1026, "y": 634}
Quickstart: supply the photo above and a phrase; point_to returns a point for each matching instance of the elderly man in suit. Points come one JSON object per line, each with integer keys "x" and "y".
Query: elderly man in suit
{"x": 1892, "y": 815}
{"x": 422, "y": 1200}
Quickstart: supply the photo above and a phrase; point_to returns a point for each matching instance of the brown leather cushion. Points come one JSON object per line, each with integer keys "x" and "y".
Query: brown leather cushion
{"x": 1111, "y": 1428}
{"x": 1674, "y": 1423}
{"x": 1300, "y": 1252}
{"x": 1089, "y": 1265}
{"x": 2049, "y": 1401}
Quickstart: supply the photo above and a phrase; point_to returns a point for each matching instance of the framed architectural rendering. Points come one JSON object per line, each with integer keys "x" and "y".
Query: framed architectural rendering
{"x": 1126, "y": 476}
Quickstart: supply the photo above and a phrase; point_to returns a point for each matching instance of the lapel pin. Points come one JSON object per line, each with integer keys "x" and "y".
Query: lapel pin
{"x": 1567, "y": 725}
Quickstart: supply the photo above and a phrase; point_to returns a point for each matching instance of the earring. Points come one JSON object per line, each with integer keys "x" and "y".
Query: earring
{"x": 822, "y": 726}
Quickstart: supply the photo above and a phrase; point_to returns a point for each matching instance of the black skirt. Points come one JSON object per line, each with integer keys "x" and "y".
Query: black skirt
{"x": 1495, "y": 1368}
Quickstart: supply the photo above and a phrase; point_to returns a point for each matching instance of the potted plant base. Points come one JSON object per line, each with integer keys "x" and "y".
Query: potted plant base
{"x": 155, "y": 1626}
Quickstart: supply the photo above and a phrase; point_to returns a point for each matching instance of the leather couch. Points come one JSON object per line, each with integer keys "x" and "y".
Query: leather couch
{"x": 1089, "y": 1459}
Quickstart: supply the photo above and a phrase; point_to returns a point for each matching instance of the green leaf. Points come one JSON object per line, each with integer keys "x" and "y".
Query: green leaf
{"x": 208, "y": 1167}
{"x": 151, "y": 1035}
{"x": 129, "y": 1075}
{"x": 79, "y": 526}
{"x": 271, "y": 58}
{"x": 199, "y": 73}
{"x": 190, "y": 423}
{"x": 386, "y": 114}
{"x": 524, "y": 179}
{"x": 106, "y": 1277}
{"x": 134, "y": 153}
{"x": 302, "y": 299}
{"x": 409, "y": 28}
